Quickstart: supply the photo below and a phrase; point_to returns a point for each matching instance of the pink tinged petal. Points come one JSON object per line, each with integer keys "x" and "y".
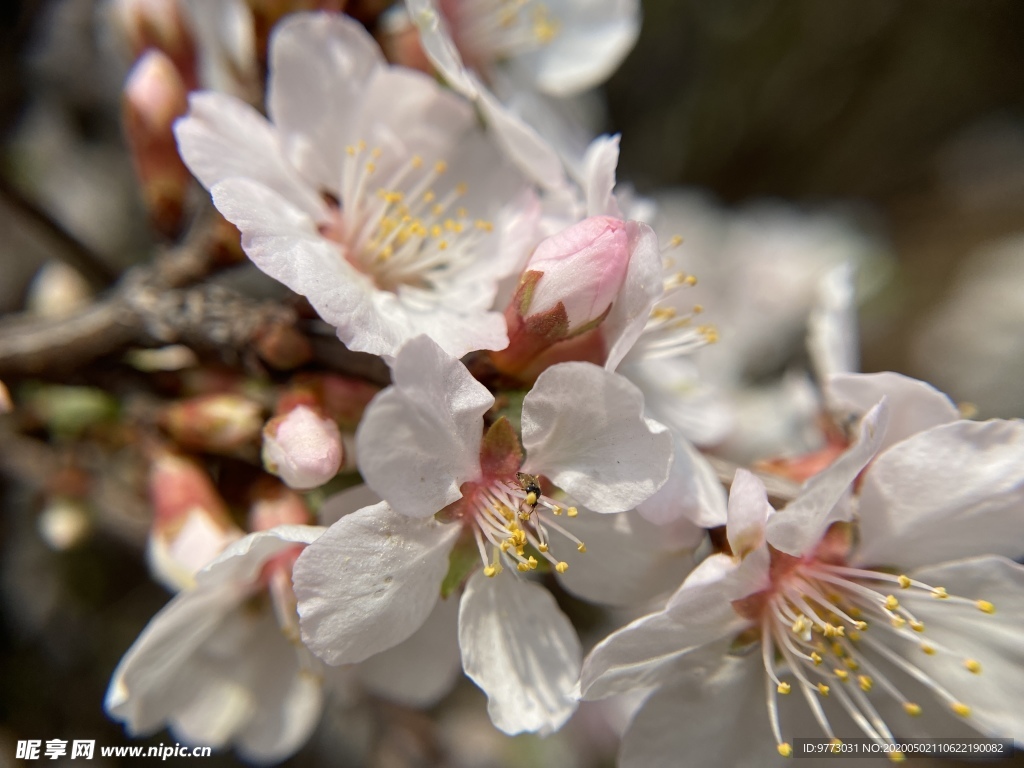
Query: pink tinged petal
{"x": 583, "y": 427}
{"x": 640, "y": 654}
{"x": 319, "y": 65}
{"x": 223, "y": 138}
{"x": 302, "y": 448}
{"x": 749, "y": 510}
{"x": 582, "y": 268}
{"x": 370, "y": 582}
{"x": 628, "y": 560}
{"x": 419, "y": 440}
{"x": 914, "y": 406}
{"x": 993, "y": 640}
{"x": 419, "y": 671}
{"x": 599, "y": 166}
{"x": 950, "y": 492}
{"x": 520, "y": 648}
{"x": 799, "y": 526}
{"x": 712, "y": 717}
{"x": 692, "y": 493}
{"x": 640, "y": 292}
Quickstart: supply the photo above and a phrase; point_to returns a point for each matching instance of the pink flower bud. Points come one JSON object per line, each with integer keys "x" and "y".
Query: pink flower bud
{"x": 302, "y": 448}
{"x": 191, "y": 524}
{"x": 158, "y": 24}
{"x": 222, "y": 423}
{"x": 582, "y": 268}
{"x": 154, "y": 97}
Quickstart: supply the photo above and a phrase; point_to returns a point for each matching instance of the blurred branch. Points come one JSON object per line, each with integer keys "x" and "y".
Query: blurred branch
{"x": 780, "y": 490}
{"x": 68, "y": 248}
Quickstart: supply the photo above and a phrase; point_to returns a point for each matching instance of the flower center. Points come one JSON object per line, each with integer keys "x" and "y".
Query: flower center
{"x": 841, "y": 632}
{"x": 508, "y": 517}
{"x": 400, "y": 224}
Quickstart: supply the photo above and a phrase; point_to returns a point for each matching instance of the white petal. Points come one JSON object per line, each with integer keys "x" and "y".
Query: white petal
{"x": 346, "y": 502}
{"x": 243, "y": 559}
{"x": 521, "y": 650}
{"x": 222, "y": 138}
{"x": 640, "y": 292}
{"x": 799, "y": 526}
{"x": 692, "y": 492}
{"x": 707, "y": 719}
{"x": 749, "y": 510}
{"x": 319, "y": 65}
{"x": 419, "y": 671}
{"x": 628, "y": 560}
{"x": 639, "y": 655}
{"x": 832, "y": 326}
{"x": 914, "y": 406}
{"x": 592, "y": 40}
{"x": 951, "y": 492}
{"x": 599, "y": 171}
{"x": 436, "y": 39}
{"x": 369, "y": 582}
{"x": 583, "y": 427}
{"x": 419, "y": 440}
{"x": 992, "y": 640}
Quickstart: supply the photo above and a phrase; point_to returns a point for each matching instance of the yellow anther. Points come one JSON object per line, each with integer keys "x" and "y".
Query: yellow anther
{"x": 690, "y": 280}
{"x": 582, "y": 547}
{"x": 896, "y": 756}
{"x": 556, "y": 510}
{"x": 485, "y": 226}
{"x": 440, "y": 166}
{"x": 985, "y": 606}
{"x": 861, "y": 625}
{"x": 842, "y": 674}
{"x": 960, "y": 708}
{"x": 972, "y": 666}
{"x": 916, "y": 625}
{"x": 371, "y": 167}
{"x": 904, "y": 581}
{"x": 490, "y": 571}
{"x": 855, "y": 612}
{"x": 375, "y": 153}
{"x": 800, "y": 625}
{"x": 698, "y": 308}
{"x": 851, "y": 664}
{"x": 461, "y": 189}
{"x": 854, "y": 635}
{"x": 532, "y": 562}
{"x": 836, "y": 742}
{"x": 865, "y": 683}
{"x": 505, "y": 545}
{"x": 784, "y": 688}
{"x": 823, "y": 689}
{"x": 350, "y": 150}
{"x": 785, "y": 749}
{"x": 676, "y": 241}
{"x": 838, "y": 649}
{"x": 928, "y": 649}
{"x": 562, "y": 566}
{"x": 816, "y": 658}
{"x": 912, "y": 709}
{"x": 891, "y": 603}
{"x": 572, "y": 512}
{"x": 542, "y": 548}
{"x": 429, "y": 196}
{"x": 898, "y": 622}
{"x": 417, "y": 161}
{"x": 435, "y": 231}
{"x": 940, "y": 593}
{"x": 443, "y": 245}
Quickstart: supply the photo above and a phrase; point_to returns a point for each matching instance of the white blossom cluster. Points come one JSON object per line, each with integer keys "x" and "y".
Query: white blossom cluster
{"x": 551, "y": 427}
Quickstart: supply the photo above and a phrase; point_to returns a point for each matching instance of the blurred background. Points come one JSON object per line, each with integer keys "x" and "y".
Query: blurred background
{"x": 905, "y": 119}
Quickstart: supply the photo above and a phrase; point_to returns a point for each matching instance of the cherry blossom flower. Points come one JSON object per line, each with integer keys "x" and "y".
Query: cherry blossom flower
{"x": 889, "y": 603}
{"x": 371, "y": 190}
{"x": 459, "y": 502}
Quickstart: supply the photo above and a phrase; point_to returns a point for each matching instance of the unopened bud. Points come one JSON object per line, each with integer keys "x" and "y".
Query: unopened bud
{"x": 191, "y": 524}
{"x": 158, "y": 24}
{"x": 282, "y": 346}
{"x": 302, "y": 448}
{"x": 222, "y": 423}
{"x": 154, "y": 97}
{"x": 567, "y": 289}
{"x": 57, "y": 289}
{"x": 275, "y": 504}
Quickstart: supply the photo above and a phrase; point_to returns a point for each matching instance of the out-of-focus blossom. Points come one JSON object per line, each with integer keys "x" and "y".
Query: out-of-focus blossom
{"x": 375, "y": 576}
{"x": 220, "y": 423}
{"x": 302, "y": 447}
{"x": 159, "y": 25}
{"x": 222, "y": 664}
{"x": 191, "y": 523}
{"x": 5, "y": 399}
{"x": 154, "y": 97}
{"x": 274, "y": 504}
{"x": 57, "y": 289}
{"x": 372, "y": 191}
{"x": 64, "y": 523}
{"x": 889, "y": 602}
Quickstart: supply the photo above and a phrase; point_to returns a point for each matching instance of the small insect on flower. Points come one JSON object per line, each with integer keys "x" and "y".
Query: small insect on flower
{"x": 531, "y": 486}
